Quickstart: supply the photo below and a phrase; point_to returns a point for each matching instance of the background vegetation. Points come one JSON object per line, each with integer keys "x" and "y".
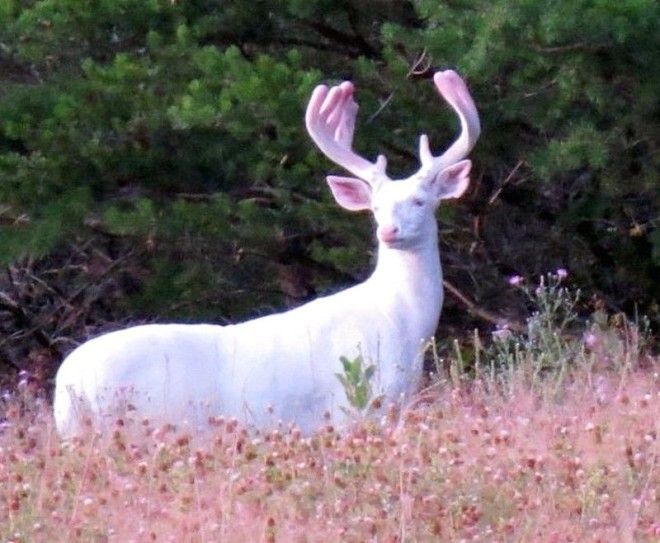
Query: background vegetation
{"x": 154, "y": 163}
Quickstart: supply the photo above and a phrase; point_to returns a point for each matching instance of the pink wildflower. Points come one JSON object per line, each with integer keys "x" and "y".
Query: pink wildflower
{"x": 590, "y": 340}
{"x": 515, "y": 280}
{"x": 562, "y": 273}
{"x": 501, "y": 332}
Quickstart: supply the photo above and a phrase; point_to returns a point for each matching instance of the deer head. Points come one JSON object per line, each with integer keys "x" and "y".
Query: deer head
{"x": 401, "y": 208}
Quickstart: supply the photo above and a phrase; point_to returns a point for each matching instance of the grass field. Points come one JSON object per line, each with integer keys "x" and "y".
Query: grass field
{"x": 536, "y": 438}
{"x": 464, "y": 465}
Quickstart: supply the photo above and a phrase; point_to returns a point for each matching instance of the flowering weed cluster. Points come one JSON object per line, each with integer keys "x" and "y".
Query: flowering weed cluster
{"x": 554, "y": 344}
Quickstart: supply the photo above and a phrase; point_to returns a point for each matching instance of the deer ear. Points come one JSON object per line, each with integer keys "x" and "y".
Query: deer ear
{"x": 350, "y": 193}
{"x": 452, "y": 181}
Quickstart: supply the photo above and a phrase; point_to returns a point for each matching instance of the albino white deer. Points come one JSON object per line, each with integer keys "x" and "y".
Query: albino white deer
{"x": 284, "y": 366}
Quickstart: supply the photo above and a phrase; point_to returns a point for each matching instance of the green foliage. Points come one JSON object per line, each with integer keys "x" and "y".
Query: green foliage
{"x": 177, "y": 128}
{"x": 356, "y": 380}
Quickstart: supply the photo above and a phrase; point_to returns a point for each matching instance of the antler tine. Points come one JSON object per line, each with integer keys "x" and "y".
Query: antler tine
{"x": 453, "y": 89}
{"x": 330, "y": 121}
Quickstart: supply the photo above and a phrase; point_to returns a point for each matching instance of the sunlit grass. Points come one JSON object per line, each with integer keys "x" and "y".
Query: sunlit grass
{"x": 465, "y": 464}
{"x": 547, "y": 435}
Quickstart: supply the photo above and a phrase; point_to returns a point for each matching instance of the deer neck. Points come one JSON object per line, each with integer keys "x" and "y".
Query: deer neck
{"x": 409, "y": 282}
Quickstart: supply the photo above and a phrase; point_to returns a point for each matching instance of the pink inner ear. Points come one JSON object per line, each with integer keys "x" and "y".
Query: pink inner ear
{"x": 350, "y": 193}
{"x": 453, "y": 180}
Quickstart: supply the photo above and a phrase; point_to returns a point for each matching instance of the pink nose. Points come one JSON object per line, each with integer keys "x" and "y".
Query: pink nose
{"x": 387, "y": 232}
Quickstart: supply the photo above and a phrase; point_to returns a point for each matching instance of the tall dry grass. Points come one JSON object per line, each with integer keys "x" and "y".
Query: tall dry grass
{"x": 553, "y": 438}
{"x": 463, "y": 465}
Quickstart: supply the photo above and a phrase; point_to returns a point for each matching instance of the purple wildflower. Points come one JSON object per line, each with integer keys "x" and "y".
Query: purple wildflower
{"x": 515, "y": 280}
{"x": 590, "y": 340}
{"x": 502, "y": 332}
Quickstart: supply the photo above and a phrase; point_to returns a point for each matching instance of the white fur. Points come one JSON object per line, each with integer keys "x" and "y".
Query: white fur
{"x": 284, "y": 366}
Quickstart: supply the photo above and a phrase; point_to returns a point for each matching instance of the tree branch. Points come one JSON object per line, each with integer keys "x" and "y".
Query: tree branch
{"x": 227, "y": 38}
{"x": 23, "y": 318}
{"x": 480, "y": 312}
{"x": 338, "y": 36}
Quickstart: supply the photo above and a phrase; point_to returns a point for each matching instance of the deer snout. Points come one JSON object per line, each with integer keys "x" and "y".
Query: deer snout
{"x": 387, "y": 232}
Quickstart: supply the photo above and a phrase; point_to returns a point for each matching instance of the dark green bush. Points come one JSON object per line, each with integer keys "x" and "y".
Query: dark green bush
{"x": 172, "y": 132}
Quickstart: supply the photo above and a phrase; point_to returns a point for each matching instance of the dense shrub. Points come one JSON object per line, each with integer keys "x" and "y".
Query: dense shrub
{"x": 161, "y": 144}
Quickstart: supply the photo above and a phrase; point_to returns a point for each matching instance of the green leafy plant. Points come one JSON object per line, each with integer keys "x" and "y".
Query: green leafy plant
{"x": 556, "y": 342}
{"x": 547, "y": 346}
{"x": 356, "y": 380}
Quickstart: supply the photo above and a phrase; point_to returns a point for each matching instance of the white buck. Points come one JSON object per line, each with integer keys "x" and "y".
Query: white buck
{"x": 284, "y": 366}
